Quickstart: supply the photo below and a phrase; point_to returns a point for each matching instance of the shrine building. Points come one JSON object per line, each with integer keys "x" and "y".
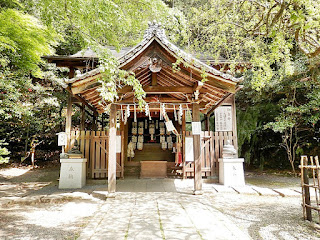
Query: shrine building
{"x": 166, "y": 138}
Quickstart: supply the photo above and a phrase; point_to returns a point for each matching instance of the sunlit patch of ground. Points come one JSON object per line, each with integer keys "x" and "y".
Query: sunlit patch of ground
{"x": 58, "y": 217}
{"x": 9, "y": 173}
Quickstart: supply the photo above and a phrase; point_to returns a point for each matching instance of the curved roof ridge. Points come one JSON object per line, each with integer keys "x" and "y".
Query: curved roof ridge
{"x": 155, "y": 31}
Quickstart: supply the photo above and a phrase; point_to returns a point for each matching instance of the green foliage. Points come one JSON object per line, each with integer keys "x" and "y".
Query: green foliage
{"x": 26, "y": 102}
{"x": 3, "y": 152}
{"x": 103, "y": 23}
{"x": 262, "y": 35}
{"x": 277, "y": 46}
{"x": 23, "y": 40}
{"x": 31, "y": 101}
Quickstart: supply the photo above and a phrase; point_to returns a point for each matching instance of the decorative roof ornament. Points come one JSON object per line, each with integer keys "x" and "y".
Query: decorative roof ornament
{"x": 155, "y": 65}
{"x": 155, "y": 29}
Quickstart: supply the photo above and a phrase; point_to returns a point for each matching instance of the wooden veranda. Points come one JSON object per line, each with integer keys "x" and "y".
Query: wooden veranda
{"x": 152, "y": 62}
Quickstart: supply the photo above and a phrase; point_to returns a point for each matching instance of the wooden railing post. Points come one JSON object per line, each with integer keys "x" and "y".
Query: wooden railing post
{"x": 197, "y": 152}
{"x": 184, "y": 174}
{"x": 305, "y": 188}
{"x": 112, "y": 158}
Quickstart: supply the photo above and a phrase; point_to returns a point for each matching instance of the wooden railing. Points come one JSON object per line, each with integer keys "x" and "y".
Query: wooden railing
{"x": 94, "y": 146}
{"x": 211, "y": 150}
{"x": 310, "y": 202}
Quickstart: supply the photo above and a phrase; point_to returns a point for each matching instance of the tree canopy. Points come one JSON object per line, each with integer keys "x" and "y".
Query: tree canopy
{"x": 274, "y": 44}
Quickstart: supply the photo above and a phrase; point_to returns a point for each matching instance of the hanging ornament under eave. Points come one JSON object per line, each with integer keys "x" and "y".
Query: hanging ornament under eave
{"x": 126, "y": 114}
{"x": 179, "y": 118}
{"x": 135, "y": 113}
{"x": 128, "y": 111}
{"x": 175, "y": 113}
{"x": 161, "y": 112}
{"x": 180, "y": 114}
{"x": 147, "y": 111}
{"x": 121, "y": 112}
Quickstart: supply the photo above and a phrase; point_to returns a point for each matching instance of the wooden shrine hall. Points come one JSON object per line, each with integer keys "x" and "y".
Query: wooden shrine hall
{"x": 166, "y": 136}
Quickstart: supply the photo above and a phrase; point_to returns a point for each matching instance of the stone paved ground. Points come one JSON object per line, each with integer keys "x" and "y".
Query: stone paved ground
{"x": 31, "y": 207}
{"x": 160, "y": 215}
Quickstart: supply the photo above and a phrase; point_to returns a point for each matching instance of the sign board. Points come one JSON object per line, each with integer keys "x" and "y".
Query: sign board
{"x": 189, "y": 149}
{"x": 223, "y": 119}
{"x": 196, "y": 128}
{"x": 118, "y": 144}
{"x": 62, "y": 139}
{"x": 169, "y": 126}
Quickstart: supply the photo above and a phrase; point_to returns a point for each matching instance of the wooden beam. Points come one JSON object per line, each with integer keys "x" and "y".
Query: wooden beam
{"x": 152, "y": 100}
{"x": 160, "y": 89}
{"x": 85, "y": 87}
{"x": 86, "y": 80}
{"x": 112, "y": 155}
{"x": 81, "y": 100}
{"x": 177, "y": 76}
{"x": 86, "y": 111}
{"x": 197, "y": 152}
{"x": 154, "y": 81}
{"x": 211, "y": 111}
{"x": 197, "y": 86}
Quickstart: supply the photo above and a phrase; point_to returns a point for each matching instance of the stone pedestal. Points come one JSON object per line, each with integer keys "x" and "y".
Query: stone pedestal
{"x": 72, "y": 173}
{"x": 231, "y": 171}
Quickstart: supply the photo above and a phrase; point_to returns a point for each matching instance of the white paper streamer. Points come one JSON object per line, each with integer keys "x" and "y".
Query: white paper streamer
{"x": 175, "y": 113}
{"x": 160, "y": 112}
{"x": 135, "y": 113}
{"x": 128, "y": 111}
{"x": 121, "y": 113}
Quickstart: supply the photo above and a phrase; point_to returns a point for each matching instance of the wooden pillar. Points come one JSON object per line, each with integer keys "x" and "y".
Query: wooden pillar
{"x": 83, "y": 117}
{"x": 112, "y": 160}
{"x": 184, "y": 175}
{"x": 123, "y": 155}
{"x": 234, "y": 124}
{"x": 68, "y": 121}
{"x": 94, "y": 121}
{"x": 126, "y": 133}
{"x": 69, "y": 114}
{"x": 197, "y": 152}
{"x": 207, "y": 122}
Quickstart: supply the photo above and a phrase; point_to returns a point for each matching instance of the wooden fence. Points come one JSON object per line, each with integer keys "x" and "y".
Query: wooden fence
{"x": 310, "y": 202}
{"x": 211, "y": 150}
{"x": 94, "y": 146}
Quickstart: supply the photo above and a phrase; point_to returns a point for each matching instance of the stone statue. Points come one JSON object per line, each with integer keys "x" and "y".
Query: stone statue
{"x": 75, "y": 149}
{"x": 229, "y": 151}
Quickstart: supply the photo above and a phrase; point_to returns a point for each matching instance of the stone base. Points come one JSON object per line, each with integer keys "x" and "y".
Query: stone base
{"x": 72, "y": 173}
{"x": 231, "y": 171}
